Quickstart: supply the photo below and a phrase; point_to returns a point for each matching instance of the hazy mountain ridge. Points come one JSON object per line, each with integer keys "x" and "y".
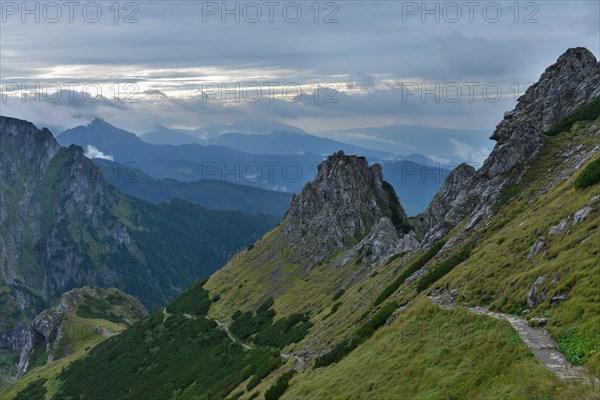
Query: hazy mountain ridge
{"x": 213, "y": 194}
{"x": 248, "y": 163}
{"x": 193, "y": 162}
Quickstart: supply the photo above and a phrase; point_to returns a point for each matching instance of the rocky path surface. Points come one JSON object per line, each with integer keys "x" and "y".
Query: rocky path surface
{"x": 539, "y": 341}
{"x": 299, "y": 360}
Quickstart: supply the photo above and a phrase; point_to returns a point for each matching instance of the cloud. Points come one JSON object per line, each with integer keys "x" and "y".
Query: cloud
{"x": 93, "y": 152}
{"x": 369, "y": 53}
{"x": 469, "y": 153}
{"x": 439, "y": 160}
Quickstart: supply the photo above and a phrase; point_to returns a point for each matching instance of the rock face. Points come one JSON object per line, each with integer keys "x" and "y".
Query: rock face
{"x": 341, "y": 206}
{"x": 535, "y": 294}
{"x": 56, "y": 334}
{"x": 563, "y": 88}
{"x": 445, "y": 209}
{"x": 29, "y": 188}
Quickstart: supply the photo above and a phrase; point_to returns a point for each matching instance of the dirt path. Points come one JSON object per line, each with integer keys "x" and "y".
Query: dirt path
{"x": 299, "y": 360}
{"x": 224, "y": 327}
{"x": 539, "y": 341}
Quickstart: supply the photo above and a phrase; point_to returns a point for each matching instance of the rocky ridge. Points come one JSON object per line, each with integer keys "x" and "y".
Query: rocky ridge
{"x": 343, "y": 205}
{"x": 55, "y": 333}
{"x": 563, "y": 88}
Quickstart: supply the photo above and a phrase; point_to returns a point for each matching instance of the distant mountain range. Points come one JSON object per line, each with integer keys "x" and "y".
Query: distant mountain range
{"x": 287, "y": 142}
{"x": 164, "y": 135}
{"x": 213, "y": 194}
{"x": 281, "y": 161}
{"x": 193, "y": 162}
{"x": 277, "y": 142}
{"x": 442, "y": 145}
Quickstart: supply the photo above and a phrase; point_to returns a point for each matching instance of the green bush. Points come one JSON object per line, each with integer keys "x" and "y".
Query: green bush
{"x": 589, "y": 176}
{"x": 247, "y": 324}
{"x": 209, "y": 365}
{"x": 588, "y": 112}
{"x": 279, "y": 387}
{"x": 414, "y": 267}
{"x": 262, "y": 372}
{"x": 34, "y": 391}
{"x": 577, "y": 345}
{"x": 284, "y": 331}
{"x": 260, "y": 328}
{"x": 194, "y": 301}
{"x": 442, "y": 269}
{"x": 339, "y": 294}
{"x": 334, "y": 309}
{"x": 396, "y": 210}
{"x": 364, "y": 332}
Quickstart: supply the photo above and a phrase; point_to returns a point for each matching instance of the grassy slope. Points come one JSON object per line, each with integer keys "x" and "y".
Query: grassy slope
{"x": 431, "y": 353}
{"x": 79, "y": 337}
{"x": 176, "y": 353}
{"x": 497, "y": 274}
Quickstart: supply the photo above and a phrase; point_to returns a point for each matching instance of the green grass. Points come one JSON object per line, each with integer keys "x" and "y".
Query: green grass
{"x": 407, "y": 273}
{"x": 500, "y": 271}
{"x": 442, "y": 269}
{"x": 34, "y": 391}
{"x": 364, "y": 332}
{"x": 588, "y": 112}
{"x": 429, "y": 353}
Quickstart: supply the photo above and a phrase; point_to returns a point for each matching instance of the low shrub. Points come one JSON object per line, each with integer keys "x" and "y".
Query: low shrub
{"x": 364, "y": 332}
{"x": 588, "y": 112}
{"x": 442, "y": 269}
{"x": 414, "y": 267}
{"x": 339, "y": 294}
{"x": 279, "y": 387}
{"x": 589, "y": 176}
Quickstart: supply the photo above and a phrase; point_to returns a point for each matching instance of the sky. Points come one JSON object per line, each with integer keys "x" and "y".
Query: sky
{"x": 342, "y": 69}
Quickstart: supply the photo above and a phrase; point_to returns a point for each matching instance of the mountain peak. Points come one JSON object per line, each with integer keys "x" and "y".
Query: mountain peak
{"x": 341, "y": 206}
{"x": 581, "y": 55}
{"x": 564, "y": 87}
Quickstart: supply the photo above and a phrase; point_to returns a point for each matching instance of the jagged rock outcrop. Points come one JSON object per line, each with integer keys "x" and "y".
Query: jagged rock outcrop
{"x": 341, "y": 206}
{"x": 444, "y": 210}
{"x": 563, "y": 88}
{"x": 56, "y": 334}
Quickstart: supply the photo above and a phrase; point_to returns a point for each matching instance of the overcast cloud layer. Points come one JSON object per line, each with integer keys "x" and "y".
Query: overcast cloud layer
{"x": 372, "y": 65}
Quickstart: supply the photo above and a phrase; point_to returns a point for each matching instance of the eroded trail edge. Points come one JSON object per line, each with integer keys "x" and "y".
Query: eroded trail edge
{"x": 539, "y": 341}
